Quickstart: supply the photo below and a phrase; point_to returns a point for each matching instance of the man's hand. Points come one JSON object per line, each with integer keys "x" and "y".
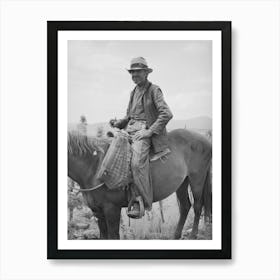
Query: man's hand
{"x": 115, "y": 123}
{"x": 141, "y": 134}
{"x": 112, "y": 122}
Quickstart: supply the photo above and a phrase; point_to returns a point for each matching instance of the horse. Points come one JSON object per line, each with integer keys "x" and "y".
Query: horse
{"x": 189, "y": 163}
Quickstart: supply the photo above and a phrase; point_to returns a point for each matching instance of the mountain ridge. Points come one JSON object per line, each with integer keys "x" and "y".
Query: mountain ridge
{"x": 196, "y": 123}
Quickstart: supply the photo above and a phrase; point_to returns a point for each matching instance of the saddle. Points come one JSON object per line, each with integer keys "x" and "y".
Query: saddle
{"x": 160, "y": 155}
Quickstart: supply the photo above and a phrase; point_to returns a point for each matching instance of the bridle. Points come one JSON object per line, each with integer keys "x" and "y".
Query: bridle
{"x": 87, "y": 190}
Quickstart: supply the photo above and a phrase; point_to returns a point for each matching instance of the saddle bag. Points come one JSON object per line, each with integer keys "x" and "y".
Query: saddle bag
{"x": 115, "y": 169}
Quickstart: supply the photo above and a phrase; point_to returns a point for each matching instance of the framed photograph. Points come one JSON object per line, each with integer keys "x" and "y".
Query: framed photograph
{"x": 139, "y": 140}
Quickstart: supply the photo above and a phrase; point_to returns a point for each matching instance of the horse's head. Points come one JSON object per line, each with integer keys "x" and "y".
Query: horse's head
{"x": 84, "y": 157}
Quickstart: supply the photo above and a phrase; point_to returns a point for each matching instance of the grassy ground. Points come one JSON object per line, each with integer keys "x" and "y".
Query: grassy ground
{"x": 84, "y": 225}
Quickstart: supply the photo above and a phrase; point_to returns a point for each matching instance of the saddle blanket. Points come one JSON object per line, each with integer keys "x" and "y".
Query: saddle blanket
{"x": 115, "y": 169}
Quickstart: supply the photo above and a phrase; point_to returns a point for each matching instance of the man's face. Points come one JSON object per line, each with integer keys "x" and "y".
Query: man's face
{"x": 138, "y": 76}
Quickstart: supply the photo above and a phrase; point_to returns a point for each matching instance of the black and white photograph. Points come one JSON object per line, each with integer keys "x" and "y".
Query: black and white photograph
{"x": 156, "y": 134}
{"x": 141, "y": 115}
{"x": 139, "y": 140}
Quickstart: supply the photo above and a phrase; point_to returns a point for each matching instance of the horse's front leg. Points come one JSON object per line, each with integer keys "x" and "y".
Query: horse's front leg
{"x": 102, "y": 227}
{"x": 112, "y": 216}
{"x": 98, "y": 213}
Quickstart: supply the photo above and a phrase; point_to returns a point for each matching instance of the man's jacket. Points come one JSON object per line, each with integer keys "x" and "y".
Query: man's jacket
{"x": 157, "y": 115}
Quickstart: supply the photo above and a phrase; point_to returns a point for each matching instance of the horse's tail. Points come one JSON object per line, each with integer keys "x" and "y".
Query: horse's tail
{"x": 207, "y": 194}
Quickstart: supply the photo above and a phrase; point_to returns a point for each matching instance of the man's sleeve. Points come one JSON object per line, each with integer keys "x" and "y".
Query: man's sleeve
{"x": 164, "y": 113}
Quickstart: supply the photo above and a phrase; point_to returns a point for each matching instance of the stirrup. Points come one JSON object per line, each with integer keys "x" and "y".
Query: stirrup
{"x": 135, "y": 214}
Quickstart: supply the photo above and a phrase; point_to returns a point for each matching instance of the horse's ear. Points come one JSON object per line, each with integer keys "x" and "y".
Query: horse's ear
{"x": 110, "y": 134}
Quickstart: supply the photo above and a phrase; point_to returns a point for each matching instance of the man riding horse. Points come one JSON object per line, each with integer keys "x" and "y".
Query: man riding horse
{"x": 145, "y": 121}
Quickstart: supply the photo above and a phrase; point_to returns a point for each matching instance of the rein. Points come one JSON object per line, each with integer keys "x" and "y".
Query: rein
{"x": 87, "y": 190}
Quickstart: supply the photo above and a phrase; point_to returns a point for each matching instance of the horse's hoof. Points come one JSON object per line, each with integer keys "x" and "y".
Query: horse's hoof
{"x": 191, "y": 236}
{"x": 177, "y": 235}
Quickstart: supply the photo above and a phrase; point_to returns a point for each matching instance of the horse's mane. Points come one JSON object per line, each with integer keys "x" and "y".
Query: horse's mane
{"x": 82, "y": 145}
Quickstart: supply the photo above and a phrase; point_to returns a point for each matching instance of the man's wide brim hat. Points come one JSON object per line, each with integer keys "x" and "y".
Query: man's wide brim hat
{"x": 139, "y": 63}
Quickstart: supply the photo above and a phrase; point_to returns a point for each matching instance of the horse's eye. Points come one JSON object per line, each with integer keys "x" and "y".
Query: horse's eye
{"x": 94, "y": 153}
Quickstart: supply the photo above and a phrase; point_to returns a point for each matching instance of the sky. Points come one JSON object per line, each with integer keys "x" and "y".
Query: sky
{"x": 99, "y": 85}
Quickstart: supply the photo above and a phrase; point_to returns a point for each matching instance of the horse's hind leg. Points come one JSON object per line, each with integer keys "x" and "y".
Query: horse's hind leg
{"x": 196, "y": 183}
{"x": 184, "y": 206}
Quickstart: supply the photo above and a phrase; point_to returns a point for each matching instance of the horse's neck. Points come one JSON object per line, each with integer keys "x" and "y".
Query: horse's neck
{"x": 80, "y": 170}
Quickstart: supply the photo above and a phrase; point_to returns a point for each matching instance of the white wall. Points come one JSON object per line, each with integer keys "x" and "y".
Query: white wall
{"x": 255, "y": 171}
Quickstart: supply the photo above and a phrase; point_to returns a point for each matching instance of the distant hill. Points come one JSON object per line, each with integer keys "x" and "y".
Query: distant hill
{"x": 198, "y": 123}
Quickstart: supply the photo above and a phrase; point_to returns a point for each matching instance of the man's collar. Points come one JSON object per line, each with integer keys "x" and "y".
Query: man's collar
{"x": 144, "y": 85}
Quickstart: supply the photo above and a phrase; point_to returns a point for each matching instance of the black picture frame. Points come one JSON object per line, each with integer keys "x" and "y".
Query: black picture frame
{"x": 53, "y": 27}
